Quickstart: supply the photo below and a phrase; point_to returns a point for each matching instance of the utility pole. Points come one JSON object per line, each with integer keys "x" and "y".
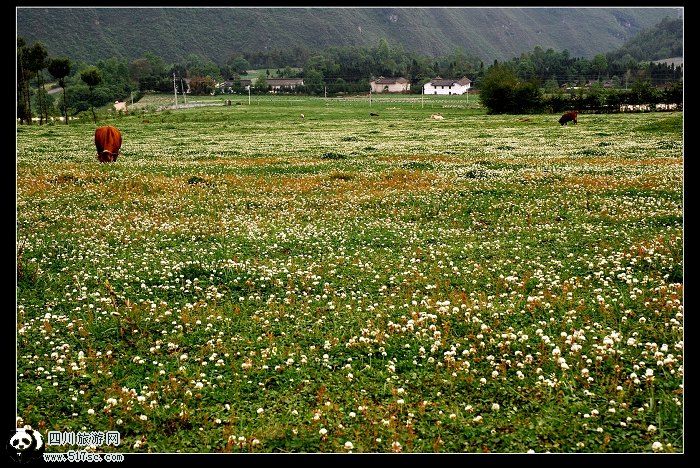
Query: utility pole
{"x": 184, "y": 96}
{"x": 422, "y": 92}
{"x": 370, "y": 96}
{"x": 325, "y": 94}
{"x": 175, "y": 89}
{"x": 249, "y": 94}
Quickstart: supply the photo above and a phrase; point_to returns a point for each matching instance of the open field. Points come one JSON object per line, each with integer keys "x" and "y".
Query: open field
{"x": 243, "y": 279}
{"x": 253, "y": 74}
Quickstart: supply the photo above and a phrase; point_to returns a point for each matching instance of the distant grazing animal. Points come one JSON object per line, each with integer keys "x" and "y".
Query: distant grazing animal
{"x": 108, "y": 141}
{"x": 374, "y": 114}
{"x": 568, "y": 117}
{"x": 120, "y": 106}
{"x": 302, "y": 116}
{"x": 437, "y": 117}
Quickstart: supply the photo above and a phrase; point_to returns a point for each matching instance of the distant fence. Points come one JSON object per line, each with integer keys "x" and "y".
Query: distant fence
{"x": 611, "y": 109}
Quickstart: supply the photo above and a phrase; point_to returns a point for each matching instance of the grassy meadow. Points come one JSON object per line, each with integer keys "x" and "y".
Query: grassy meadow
{"x": 245, "y": 280}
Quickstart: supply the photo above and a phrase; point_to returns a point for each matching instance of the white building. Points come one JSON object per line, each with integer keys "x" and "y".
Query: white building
{"x": 284, "y": 84}
{"x": 390, "y": 85}
{"x": 442, "y": 86}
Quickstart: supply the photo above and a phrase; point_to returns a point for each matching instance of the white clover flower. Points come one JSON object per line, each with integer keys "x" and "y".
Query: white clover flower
{"x": 495, "y": 407}
{"x": 91, "y": 411}
{"x": 323, "y": 431}
{"x": 651, "y": 428}
{"x": 143, "y": 417}
{"x": 657, "y": 446}
{"x": 348, "y": 445}
{"x": 260, "y": 411}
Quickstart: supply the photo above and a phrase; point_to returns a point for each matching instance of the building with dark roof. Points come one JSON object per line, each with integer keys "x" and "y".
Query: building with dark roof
{"x": 390, "y": 85}
{"x": 440, "y": 85}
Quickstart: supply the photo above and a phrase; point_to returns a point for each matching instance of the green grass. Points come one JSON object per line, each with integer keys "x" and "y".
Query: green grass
{"x": 405, "y": 284}
{"x": 253, "y": 74}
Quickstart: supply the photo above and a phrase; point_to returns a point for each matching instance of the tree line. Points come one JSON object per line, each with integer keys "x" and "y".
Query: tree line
{"x": 347, "y": 69}
{"x": 84, "y": 86}
{"x": 504, "y": 91}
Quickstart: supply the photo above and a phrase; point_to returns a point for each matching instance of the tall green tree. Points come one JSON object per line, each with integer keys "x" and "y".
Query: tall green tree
{"x": 498, "y": 89}
{"x": 24, "y": 111}
{"x": 313, "y": 81}
{"x": 599, "y": 65}
{"x": 238, "y": 64}
{"x": 261, "y": 83}
{"x": 59, "y": 68}
{"x": 36, "y": 61}
{"x": 92, "y": 78}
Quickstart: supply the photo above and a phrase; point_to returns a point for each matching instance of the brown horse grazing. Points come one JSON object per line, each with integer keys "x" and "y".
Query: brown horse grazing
{"x": 568, "y": 117}
{"x": 108, "y": 140}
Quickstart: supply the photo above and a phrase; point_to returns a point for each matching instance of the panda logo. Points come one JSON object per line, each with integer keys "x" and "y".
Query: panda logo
{"x": 25, "y": 445}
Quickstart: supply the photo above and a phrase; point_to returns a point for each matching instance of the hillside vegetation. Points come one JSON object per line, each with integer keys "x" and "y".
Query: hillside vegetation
{"x": 90, "y": 34}
{"x": 663, "y": 41}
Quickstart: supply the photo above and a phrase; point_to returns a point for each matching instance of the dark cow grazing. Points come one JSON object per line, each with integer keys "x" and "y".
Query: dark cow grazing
{"x": 568, "y": 117}
{"x": 374, "y": 114}
{"x": 108, "y": 140}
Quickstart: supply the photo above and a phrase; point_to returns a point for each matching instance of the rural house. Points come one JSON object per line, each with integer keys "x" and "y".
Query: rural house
{"x": 284, "y": 84}
{"x": 229, "y": 85}
{"x": 442, "y": 86}
{"x": 390, "y": 85}
{"x": 226, "y": 86}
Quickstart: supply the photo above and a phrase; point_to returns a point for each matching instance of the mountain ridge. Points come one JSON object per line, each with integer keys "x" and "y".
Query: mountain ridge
{"x": 91, "y": 34}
